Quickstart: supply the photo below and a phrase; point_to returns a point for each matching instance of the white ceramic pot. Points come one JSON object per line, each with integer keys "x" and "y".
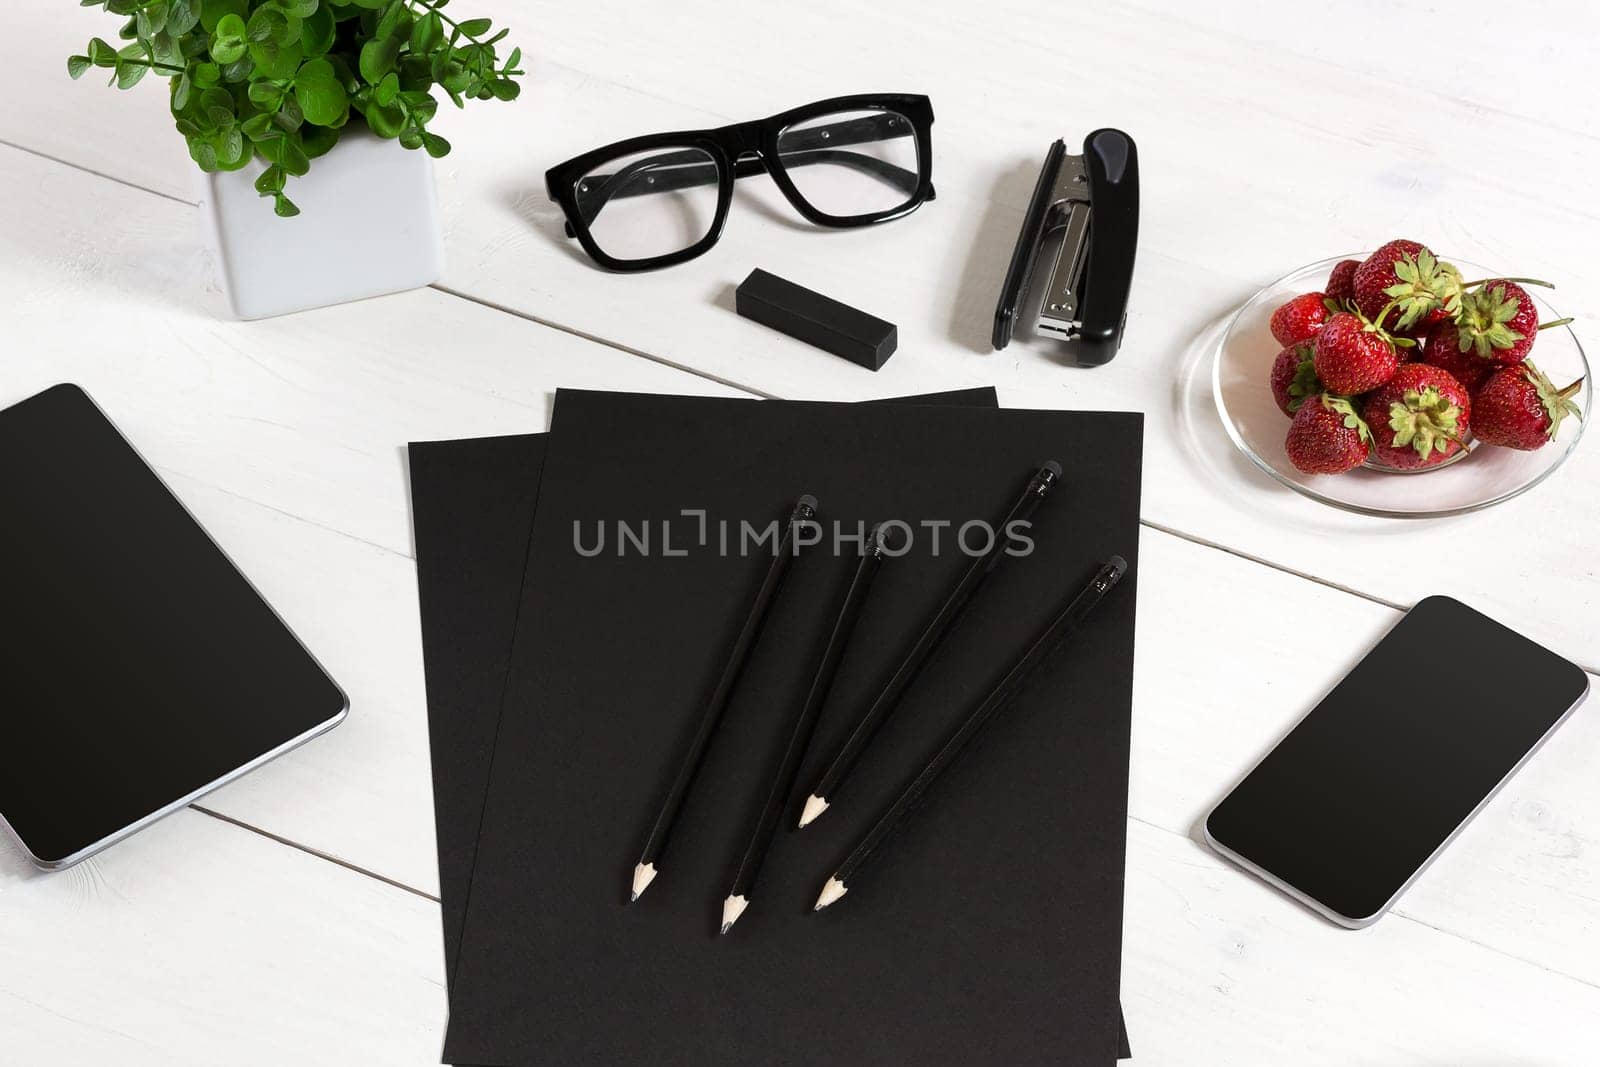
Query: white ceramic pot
{"x": 368, "y": 225}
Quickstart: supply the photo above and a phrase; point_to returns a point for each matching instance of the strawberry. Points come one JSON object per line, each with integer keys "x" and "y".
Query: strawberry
{"x": 1518, "y": 407}
{"x": 1327, "y": 436}
{"x": 1419, "y": 418}
{"x": 1352, "y": 355}
{"x": 1444, "y": 351}
{"x": 1402, "y": 283}
{"x": 1497, "y": 321}
{"x": 1294, "y": 377}
{"x": 1342, "y": 281}
{"x": 1300, "y": 319}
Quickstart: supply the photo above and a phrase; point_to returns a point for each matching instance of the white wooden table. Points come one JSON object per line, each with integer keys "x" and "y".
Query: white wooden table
{"x": 292, "y": 917}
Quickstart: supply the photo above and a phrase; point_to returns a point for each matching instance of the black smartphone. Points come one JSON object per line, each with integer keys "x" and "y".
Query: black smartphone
{"x": 1379, "y": 777}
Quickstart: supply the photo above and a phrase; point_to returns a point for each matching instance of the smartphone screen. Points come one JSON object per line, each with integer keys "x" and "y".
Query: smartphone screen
{"x": 1350, "y": 807}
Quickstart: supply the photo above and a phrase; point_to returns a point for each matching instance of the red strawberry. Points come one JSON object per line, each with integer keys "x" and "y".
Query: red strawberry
{"x": 1443, "y": 350}
{"x": 1300, "y": 318}
{"x": 1342, "y": 281}
{"x": 1518, "y": 407}
{"x": 1294, "y": 378}
{"x": 1327, "y": 436}
{"x": 1419, "y": 418}
{"x": 1498, "y": 321}
{"x": 1402, "y": 283}
{"x": 1353, "y": 356}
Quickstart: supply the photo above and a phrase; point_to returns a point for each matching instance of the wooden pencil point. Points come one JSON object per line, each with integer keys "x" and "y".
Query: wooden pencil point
{"x": 815, "y": 806}
{"x": 732, "y": 908}
{"x": 831, "y": 892}
{"x": 643, "y": 875}
{"x": 667, "y": 816}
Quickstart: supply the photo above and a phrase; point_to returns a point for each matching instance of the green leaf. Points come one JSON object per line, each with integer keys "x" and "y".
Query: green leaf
{"x": 514, "y": 58}
{"x": 228, "y": 43}
{"x": 276, "y": 61}
{"x": 411, "y": 137}
{"x": 76, "y": 65}
{"x": 102, "y": 54}
{"x": 182, "y": 17}
{"x": 212, "y": 12}
{"x": 231, "y": 149}
{"x": 258, "y": 127}
{"x": 205, "y": 154}
{"x": 207, "y": 75}
{"x": 396, "y": 21}
{"x": 427, "y": 32}
{"x": 290, "y": 117}
{"x": 266, "y": 24}
{"x": 387, "y": 89}
{"x": 317, "y": 140}
{"x": 416, "y": 73}
{"x": 422, "y": 106}
{"x": 182, "y": 86}
{"x": 166, "y": 50}
{"x": 317, "y": 32}
{"x": 129, "y": 74}
{"x": 239, "y": 69}
{"x": 437, "y": 146}
{"x": 284, "y": 208}
{"x": 270, "y": 181}
{"x": 303, "y": 9}
{"x": 504, "y": 89}
{"x": 377, "y": 58}
{"x": 267, "y": 94}
{"x": 187, "y": 128}
{"x": 385, "y": 121}
{"x": 285, "y": 151}
{"x": 320, "y": 94}
{"x": 373, "y": 5}
{"x": 151, "y": 20}
{"x": 475, "y": 27}
{"x": 129, "y": 30}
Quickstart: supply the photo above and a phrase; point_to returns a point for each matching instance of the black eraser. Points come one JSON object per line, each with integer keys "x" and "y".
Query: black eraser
{"x": 816, "y": 319}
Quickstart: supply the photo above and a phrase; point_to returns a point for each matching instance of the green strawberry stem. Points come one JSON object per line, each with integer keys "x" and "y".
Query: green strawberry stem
{"x": 1556, "y": 322}
{"x": 1519, "y": 281}
{"x": 1570, "y": 391}
{"x": 1376, "y": 326}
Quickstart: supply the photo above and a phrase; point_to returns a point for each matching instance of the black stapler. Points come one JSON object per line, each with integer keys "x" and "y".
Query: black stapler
{"x": 1093, "y": 201}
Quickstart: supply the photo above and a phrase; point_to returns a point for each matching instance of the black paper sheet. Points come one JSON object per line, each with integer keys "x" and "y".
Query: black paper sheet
{"x": 472, "y": 507}
{"x": 473, "y": 504}
{"x": 967, "y": 940}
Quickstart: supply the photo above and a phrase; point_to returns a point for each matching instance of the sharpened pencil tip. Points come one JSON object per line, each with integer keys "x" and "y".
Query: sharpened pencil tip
{"x": 643, "y": 875}
{"x": 815, "y": 806}
{"x": 732, "y": 908}
{"x": 830, "y": 893}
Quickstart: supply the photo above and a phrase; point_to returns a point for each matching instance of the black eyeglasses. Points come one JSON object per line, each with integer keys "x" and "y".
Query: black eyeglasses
{"x": 654, "y": 201}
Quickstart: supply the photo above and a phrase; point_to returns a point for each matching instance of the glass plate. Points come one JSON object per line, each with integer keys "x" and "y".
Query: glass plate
{"x": 1486, "y": 476}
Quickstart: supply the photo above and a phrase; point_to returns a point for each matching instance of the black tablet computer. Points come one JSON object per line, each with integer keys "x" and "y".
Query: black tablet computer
{"x": 138, "y": 668}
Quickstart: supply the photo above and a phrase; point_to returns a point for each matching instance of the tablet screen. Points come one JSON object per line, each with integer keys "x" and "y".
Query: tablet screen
{"x": 138, "y": 667}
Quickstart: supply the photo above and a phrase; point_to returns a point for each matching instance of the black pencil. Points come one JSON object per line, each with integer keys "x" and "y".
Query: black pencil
{"x": 645, "y": 871}
{"x": 823, "y": 794}
{"x": 1074, "y": 613}
{"x": 800, "y": 737}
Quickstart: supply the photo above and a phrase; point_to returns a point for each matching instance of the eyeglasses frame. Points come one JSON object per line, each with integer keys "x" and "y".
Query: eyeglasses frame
{"x": 740, "y": 150}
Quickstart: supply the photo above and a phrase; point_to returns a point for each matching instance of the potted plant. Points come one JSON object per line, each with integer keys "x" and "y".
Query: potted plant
{"x": 264, "y": 91}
